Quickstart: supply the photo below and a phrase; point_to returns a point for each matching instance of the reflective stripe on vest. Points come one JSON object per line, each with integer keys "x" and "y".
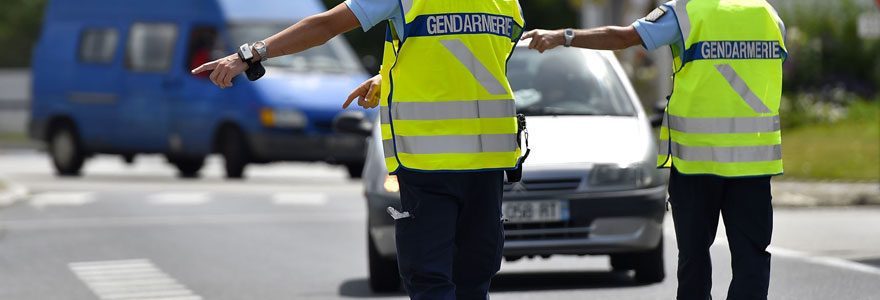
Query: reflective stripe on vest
{"x": 446, "y": 104}
{"x": 723, "y": 125}
{"x": 723, "y": 116}
{"x": 448, "y": 110}
{"x": 723, "y": 154}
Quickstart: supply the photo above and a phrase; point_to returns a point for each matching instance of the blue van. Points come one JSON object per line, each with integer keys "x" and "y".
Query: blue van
{"x": 113, "y": 77}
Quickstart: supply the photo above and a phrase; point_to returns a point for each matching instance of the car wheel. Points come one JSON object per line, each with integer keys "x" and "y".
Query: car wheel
{"x": 66, "y": 151}
{"x": 648, "y": 265}
{"x": 355, "y": 170}
{"x": 384, "y": 275}
{"x": 189, "y": 167}
{"x": 235, "y": 153}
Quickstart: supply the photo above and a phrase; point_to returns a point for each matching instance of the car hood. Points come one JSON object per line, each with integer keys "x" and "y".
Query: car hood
{"x": 576, "y": 140}
{"x": 313, "y": 91}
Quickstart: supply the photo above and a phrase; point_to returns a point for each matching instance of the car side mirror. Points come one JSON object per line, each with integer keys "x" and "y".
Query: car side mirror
{"x": 659, "y": 110}
{"x": 353, "y": 122}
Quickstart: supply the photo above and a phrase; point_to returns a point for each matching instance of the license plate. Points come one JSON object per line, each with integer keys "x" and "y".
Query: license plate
{"x": 535, "y": 211}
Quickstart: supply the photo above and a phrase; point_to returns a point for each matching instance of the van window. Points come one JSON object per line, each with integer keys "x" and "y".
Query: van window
{"x": 151, "y": 47}
{"x": 204, "y": 46}
{"x": 98, "y": 45}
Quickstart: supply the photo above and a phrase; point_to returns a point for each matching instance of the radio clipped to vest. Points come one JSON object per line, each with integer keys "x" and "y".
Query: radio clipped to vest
{"x": 522, "y": 134}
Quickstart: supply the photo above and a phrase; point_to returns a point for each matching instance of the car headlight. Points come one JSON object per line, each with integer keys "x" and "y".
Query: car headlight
{"x": 613, "y": 176}
{"x": 391, "y": 185}
{"x": 279, "y": 118}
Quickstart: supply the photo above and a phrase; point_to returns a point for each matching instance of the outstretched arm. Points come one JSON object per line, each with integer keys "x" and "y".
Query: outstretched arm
{"x": 600, "y": 38}
{"x": 310, "y": 32}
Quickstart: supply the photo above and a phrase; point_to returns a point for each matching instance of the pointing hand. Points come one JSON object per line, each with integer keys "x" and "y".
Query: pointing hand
{"x": 367, "y": 93}
{"x": 543, "y": 40}
{"x": 223, "y": 70}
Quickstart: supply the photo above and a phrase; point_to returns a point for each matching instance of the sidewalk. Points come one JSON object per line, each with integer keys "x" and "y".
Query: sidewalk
{"x": 812, "y": 194}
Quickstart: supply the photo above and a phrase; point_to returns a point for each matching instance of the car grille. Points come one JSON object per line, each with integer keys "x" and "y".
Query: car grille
{"x": 561, "y": 184}
{"x": 545, "y": 231}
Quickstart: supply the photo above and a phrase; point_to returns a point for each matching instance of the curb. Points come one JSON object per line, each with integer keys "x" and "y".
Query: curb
{"x": 12, "y": 193}
{"x": 824, "y": 194}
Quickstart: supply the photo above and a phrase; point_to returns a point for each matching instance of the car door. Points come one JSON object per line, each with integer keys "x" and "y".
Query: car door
{"x": 94, "y": 91}
{"x": 151, "y": 85}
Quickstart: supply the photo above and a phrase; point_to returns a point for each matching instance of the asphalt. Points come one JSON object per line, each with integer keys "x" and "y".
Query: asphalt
{"x": 297, "y": 231}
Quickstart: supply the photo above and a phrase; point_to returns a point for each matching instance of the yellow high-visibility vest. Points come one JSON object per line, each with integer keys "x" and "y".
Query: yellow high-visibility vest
{"x": 723, "y": 115}
{"x": 446, "y": 103}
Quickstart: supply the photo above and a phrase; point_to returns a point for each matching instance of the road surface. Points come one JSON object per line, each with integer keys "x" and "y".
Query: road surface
{"x": 297, "y": 231}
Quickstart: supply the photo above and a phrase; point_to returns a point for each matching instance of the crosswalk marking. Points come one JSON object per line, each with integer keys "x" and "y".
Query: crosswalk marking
{"x": 62, "y": 199}
{"x": 313, "y": 199}
{"x": 180, "y": 198}
{"x": 47, "y": 199}
{"x": 130, "y": 279}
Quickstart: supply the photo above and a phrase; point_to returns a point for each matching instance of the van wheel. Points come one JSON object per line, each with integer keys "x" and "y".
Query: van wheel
{"x": 355, "y": 170}
{"x": 235, "y": 153}
{"x": 66, "y": 151}
{"x": 128, "y": 159}
{"x": 648, "y": 265}
{"x": 189, "y": 167}
{"x": 384, "y": 275}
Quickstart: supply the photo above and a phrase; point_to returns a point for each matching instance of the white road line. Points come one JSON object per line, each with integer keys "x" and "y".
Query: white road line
{"x": 825, "y": 260}
{"x": 43, "y": 200}
{"x": 835, "y": 262}
{"x": 313, "y": 199}
{"x": 721, "y": 239}
{"x": 180, "y": 198}
{"x": 130, "y": 279}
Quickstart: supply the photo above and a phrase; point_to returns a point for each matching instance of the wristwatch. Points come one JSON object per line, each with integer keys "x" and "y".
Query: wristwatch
{"x": 569, "y": 36}
{"x": 262, "y": 50}
{"x": 255, "y": 69}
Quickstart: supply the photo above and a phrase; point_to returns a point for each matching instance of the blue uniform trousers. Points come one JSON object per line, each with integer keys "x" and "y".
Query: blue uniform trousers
{"x": 451, "y": 246}
{"x": 697, "y": 201}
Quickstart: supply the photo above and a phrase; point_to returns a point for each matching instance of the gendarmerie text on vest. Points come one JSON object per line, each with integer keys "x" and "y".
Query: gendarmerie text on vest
{"x": 468, "y": 23}
{"x": 740, "y": 49}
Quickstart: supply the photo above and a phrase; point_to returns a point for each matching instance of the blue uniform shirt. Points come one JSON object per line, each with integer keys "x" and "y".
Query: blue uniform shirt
{"x": 663, "y": 31}
{"x": 372, "y": 12}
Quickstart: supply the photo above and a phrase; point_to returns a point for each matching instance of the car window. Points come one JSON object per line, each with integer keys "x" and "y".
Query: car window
{"x": 98, "y": 45}
{"x": 567, "y": 82}
{"x": 151, "y": 47}
{"x": 333, "y": 56}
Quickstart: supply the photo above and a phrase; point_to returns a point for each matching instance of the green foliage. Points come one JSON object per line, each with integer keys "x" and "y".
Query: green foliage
{"x": 848, "y": 149}
{"x": 826, "y": 50}
{"x": 20, "y": 22}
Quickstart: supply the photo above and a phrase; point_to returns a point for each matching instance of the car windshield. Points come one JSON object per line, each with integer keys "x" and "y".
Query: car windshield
{"x": 566, "y": 82}
{"x": 334, "y": 56}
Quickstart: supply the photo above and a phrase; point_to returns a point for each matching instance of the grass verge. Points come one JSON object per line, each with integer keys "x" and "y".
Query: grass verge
{"x": 844, "y": 150}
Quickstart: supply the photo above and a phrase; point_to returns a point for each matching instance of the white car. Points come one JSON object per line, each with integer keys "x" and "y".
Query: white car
{"x": 590, "y": 186}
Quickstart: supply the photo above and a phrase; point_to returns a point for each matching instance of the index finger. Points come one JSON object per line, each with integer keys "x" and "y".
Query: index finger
{"x": 205, "y": 67}
{"x": 354, "y": 94}
{"x": 528, "y": 35}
